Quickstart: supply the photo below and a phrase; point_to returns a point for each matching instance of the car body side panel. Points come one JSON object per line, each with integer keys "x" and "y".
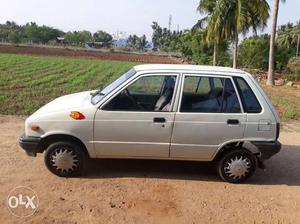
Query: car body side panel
{"x": 60, "y": 123}
{"x": 265, "y": 97}
{"x": 199, "y": 136}
{"x": 132, "y": 134}
{"x": 260, "y": 126}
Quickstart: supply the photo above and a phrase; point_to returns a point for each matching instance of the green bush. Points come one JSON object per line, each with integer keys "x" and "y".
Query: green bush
{"x": 254, "y": 52}
{"x": 294, "y": 65}
{"x": 194, "y": 47}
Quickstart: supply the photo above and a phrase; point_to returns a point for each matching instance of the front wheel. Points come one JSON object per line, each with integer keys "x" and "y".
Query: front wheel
{"x": 237, "y": 166}
{"x": 65, "y": 159}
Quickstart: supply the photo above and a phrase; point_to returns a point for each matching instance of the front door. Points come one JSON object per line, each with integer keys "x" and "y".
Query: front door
{"x": 209, "y": 115}
{"x": 137, "y": 121}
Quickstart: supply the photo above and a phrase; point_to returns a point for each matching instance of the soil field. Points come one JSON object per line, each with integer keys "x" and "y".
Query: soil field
{"x": 126, "y": 191}
{"x": 46, "y": 51}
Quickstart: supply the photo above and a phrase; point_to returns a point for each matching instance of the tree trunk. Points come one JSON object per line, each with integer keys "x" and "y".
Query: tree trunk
{"x": 298, "y": 43}
{"x": 216, "y": 52}
{"x": 271, "y": 73}
{"x": 235, "y": 50}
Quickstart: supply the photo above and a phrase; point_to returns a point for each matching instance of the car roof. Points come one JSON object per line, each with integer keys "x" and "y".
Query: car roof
{"x": 186, "y": 67}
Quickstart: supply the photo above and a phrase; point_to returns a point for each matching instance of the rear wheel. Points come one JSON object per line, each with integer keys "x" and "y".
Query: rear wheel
{"x": 65, "y": 159}
{"x": 237, "y": 166}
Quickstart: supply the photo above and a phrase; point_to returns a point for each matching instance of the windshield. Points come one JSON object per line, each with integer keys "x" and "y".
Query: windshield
{"x": 101, "y": 93}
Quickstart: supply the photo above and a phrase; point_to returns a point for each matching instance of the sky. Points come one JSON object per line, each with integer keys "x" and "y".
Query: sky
{"x": 129, "y": 16}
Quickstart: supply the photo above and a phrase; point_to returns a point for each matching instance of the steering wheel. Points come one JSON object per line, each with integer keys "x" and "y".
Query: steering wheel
{"x": 131, "y": 98}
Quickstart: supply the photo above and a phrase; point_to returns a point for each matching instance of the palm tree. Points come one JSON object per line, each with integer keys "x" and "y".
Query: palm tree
{"x": 296, "y": 37}
{"x": 297, "y": 40}
{"x": 285, "y": 37}
{"x": 271, "y": 74}
{"x": 243, "y": 15}
{"x": 214, "y": 36}
{"x": 228, "y": 19}
{"x": 289, "y": 36}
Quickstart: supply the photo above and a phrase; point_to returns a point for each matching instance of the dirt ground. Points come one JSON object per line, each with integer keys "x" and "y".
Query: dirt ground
{"x": 117, "y": 191}
{"x": 92, "y": 54}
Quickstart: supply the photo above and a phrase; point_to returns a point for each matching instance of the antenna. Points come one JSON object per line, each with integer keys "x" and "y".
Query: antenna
{"x": 170, "y": 22}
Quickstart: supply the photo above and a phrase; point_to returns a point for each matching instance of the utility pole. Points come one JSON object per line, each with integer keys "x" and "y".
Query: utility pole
{"x": 170, "y": 22}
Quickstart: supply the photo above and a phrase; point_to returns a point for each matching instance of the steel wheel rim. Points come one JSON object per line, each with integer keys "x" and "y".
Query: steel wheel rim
{"x": 237, "y": 167}
{"x": 64, "y": 160}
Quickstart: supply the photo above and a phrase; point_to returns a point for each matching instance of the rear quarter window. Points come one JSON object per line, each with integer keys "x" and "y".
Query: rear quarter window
{"x": 249, "y": 100}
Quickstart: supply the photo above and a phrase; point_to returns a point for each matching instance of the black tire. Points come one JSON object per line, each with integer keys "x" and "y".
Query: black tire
{"x": 78, "y": 159}
{"x": 224, "y": 163}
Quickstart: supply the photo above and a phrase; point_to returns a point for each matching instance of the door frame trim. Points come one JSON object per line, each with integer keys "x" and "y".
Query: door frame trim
{"x": 206, "y": 75}
{"x": 137, "y": 77}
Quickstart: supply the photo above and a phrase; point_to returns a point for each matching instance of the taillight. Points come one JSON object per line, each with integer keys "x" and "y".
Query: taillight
{"x": 277, "y": 130}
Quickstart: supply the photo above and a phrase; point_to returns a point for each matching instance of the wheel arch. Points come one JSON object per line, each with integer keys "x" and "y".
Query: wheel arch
{"x": 48, "y": 140}
{"x": 234, "y": 145}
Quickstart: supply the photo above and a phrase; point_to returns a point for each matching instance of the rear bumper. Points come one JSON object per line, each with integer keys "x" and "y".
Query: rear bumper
{"x": 268, "y": 149}
{"x": 30, "y": 144}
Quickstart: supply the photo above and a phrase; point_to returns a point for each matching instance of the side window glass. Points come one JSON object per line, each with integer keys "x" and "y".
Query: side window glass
{"x": 249, "y": 100}
{"x": 147, "y": 85}
{"x": 213, "y": 95}
{"x": 203, "y": 86}
{"x": 148, "y": 93}
{"x": 218, "y": 82}
{"x": 230, "y": 102}
{"x": 197, "y": 84}
{"x": 191, "y": 84}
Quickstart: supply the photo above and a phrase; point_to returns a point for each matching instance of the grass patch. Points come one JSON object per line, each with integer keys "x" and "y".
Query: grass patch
{"x": 29, "y": 82}
{"x": 290, "y": 112}
{"x": 286, "y": 100}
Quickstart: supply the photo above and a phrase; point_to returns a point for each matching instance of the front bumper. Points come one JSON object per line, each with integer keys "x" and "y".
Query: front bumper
{"x": 30, "y": 144}
{"x": 268, "y": 149}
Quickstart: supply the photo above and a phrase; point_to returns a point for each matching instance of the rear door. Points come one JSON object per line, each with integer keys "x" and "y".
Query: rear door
{"x": 209, "y": 114}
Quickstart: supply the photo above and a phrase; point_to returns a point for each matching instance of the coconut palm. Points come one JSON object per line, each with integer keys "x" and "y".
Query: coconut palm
{"x": 296, "y": 37}
{"x": 229, "y": 18}
{"x": 289, "y": 36}
{"x": 214, "y": 36}
{"x": 271, "y": 73}
{"x": 285, "y": 37}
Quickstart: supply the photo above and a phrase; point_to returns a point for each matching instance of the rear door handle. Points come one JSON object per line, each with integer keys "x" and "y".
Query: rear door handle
{"x": 233, "y": 122}
{"x": 159, "y": 120}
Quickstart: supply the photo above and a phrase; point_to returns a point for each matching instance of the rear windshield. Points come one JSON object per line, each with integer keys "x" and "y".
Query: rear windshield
{"x": 249, "y": 100}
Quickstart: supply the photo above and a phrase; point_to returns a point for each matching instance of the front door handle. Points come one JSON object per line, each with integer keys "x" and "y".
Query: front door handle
{"x": 233, "y": 122}
{"x": 159, "y": 120}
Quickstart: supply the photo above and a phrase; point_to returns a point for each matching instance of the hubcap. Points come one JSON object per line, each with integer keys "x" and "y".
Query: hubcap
{"x": 64, "y": 160}
{"x": 237, "y": 167}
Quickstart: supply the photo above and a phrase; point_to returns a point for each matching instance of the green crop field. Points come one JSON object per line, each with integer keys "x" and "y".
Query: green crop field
{"x": 28, "y": 82}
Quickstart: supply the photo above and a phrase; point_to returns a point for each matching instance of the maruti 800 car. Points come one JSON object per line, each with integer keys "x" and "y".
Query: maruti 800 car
{"x": 166, "y": 112}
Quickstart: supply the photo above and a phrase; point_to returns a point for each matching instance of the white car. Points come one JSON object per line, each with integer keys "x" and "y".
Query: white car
{"x": 169, "y": 112}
